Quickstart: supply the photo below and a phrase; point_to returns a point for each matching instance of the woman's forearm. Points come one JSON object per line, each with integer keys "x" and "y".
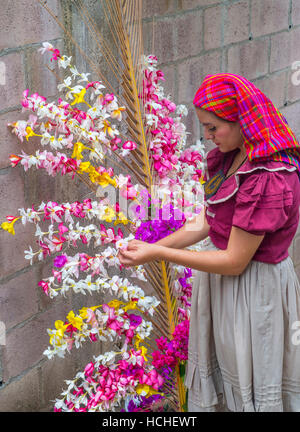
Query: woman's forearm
{"x": 209, "y": 261}
{"x": 233, "y": 260}
{"x": 190, "y": 233}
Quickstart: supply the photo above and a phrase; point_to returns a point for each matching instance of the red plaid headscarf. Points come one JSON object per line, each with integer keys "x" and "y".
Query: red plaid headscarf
{"x": 266, "y": 132}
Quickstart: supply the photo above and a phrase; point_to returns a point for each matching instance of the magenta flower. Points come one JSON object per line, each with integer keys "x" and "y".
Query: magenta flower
{"x": 135, "y": 320}
{"x": 45, "y": 286}
{"x": 89, "y": 369}
{"x": 60, "y": 261}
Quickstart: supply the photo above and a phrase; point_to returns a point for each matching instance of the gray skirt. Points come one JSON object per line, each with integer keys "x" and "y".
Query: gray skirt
{"x": 244, "y": 346}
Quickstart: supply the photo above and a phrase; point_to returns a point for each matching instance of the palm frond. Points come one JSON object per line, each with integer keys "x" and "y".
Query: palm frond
{"x": 119, "y": 48}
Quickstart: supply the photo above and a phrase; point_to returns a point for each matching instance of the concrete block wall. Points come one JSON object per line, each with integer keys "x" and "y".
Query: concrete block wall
{"x": 255, "y": 38}
{"x": 258, "y": 39}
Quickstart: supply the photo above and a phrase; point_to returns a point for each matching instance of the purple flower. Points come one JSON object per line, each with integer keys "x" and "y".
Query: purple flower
{"x": 135, "y": 320}
{"x": 60, "y": 261}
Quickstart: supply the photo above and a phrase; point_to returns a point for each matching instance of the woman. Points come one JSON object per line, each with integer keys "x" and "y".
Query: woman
{"x": 246, "y": 295}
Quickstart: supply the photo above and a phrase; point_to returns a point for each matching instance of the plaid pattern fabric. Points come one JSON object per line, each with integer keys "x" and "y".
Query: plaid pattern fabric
{"x": 266, "y": 132}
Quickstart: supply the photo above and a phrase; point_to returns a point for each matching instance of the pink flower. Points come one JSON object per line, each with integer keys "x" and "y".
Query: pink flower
{"x": 89, "y": 369}
{"x": 109, "y": 97}
{"x": 91, "y": 319}
{"x": 56, "y": 54}
{"x": 62, "y": 228}
{"x": 93, "y": 337}
{"x": 57, "y": 275}
{"x": 129, "y": 145}
{"x": 45, "y": 286}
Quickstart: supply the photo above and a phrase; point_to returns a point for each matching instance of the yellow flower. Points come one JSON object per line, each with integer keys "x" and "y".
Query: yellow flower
{"x": 30, "y": 133}
{"x": 76, "y": 321}
{"x": 145, "y": 390}
{"x": 9, "y": 226}
{"x": 85, "y": 166}
{"x": 109, "y": 215}
{"x": 202, "y": 181}
{"x": 121, "y": 218}
{"x": 77, "y": 150}
{"x": 94, "y": 175}
{"x": 115, "y": 304}
{"x": 130, "y": 305}
{"x": 83, "y": 312}
{"x": 117, "y": 113}
{"x": 79, "y": 97}
{"x": 137, "y": 342}
{"x": 144, "y": 352}
{"x": 107, "y": 128}
{"x": 104, "y": 179}
{"x": 59, "y": 334}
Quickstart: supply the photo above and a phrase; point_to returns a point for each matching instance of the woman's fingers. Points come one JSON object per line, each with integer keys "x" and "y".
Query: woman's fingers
{"x": 125, "y": 257}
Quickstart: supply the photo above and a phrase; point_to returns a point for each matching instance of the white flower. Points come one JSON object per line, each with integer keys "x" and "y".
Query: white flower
{"x": 64, "y": 61}
{"x": 74, "y": 72}
{"x": 84, "y": 77}
{"x": 46, "y": 47}
{"x": 29, "y": 254}
{"x": 67, "y": 82}
{"x": 121, "y": 244}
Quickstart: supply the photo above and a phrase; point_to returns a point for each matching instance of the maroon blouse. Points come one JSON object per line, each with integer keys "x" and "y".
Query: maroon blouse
{"x": 260, "y": 198}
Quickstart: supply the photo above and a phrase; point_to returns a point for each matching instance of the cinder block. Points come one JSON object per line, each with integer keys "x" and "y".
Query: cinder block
{"x": 291, "y": 113}
{"x": 293, "y": 83}
{"x": 285, "y": 49}
{"x": 192, "y": 72}
{"x": 273, "y": 86}
{"x": 212, "y": 27}
{"x": 164, "y": 40}
{"x": 296, "y": 12}
{"x": 21, "y": 395}
{"x": 25, "y": 345}
{"x": 192, "y": 4}
{"x": 27, "y": 22}
{"x": 54, "y": 374}
{"x": 249, "y": 59}
{"x": 236, "y": 26}
{"x": 189, "y": 34}
{"x": 269, "y": 16}
{"x": 18, "y": 298}
{"x": 158, "y": 7}
{"x": 12, "y": 80}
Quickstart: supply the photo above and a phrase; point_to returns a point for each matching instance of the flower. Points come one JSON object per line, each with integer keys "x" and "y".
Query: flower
{"x": 9, "y": 226}
{"x": 77, "y": 150}
{"x": 46, "y": 47}
{"x": 76, "y": 321}
{"x": 14, "y": 160}
{"x": 79, "y": 97}
{"x": 135, "y": 320}
{"x": 60, "y": 261}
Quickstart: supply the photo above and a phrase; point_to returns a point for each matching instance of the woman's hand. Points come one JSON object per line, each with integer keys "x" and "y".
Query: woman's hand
{"x": 139, "y": 252}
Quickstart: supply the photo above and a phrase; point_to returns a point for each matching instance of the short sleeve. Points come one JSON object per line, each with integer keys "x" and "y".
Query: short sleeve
{"x": 263, "y": 202}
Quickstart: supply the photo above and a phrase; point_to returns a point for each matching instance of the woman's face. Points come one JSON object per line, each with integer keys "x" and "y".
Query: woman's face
{"x": 226, "y": 135}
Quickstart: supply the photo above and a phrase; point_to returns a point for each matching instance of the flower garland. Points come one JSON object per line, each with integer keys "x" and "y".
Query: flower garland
{"x": 128, "y": 379}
